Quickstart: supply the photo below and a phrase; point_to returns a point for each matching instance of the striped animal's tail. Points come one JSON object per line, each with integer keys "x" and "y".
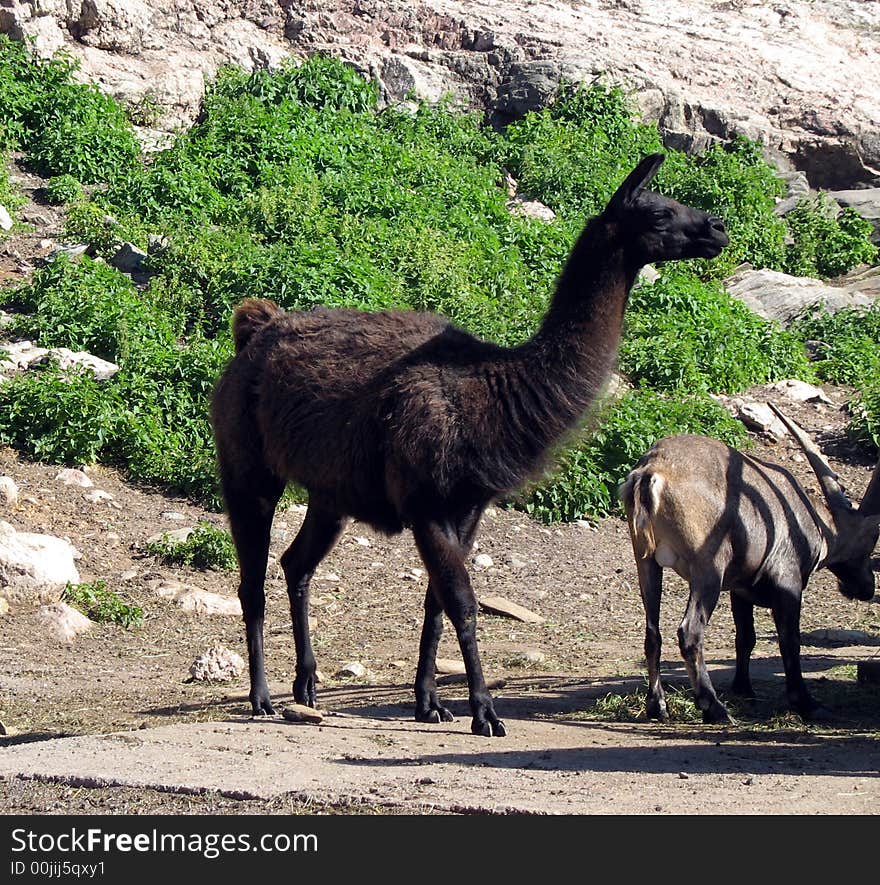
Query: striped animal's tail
{"x": 640, "y": 494}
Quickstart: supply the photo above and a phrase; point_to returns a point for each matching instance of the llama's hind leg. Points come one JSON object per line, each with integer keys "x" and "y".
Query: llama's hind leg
{"x": 441, "y": 551}
{"x": 316, "y": 538}
{"x": 428, "y": 705}
{"x": 651, "y": 586}
{"x": 250, "y": 520}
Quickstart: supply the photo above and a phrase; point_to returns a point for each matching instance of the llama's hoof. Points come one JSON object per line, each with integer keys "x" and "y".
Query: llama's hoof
{"x": 304, "y": 691}
{"x": 435, "y": 715}
{"x": 485, "y": 729}
{"x": 262, "y": 706}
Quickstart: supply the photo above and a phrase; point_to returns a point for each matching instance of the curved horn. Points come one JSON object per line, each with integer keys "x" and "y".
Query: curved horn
{"x": 871, "y": 499}
{"x": 831, "y": 488}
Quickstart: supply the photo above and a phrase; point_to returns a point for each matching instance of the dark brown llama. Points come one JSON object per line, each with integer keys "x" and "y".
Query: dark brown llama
{"x": 401, "y": 420}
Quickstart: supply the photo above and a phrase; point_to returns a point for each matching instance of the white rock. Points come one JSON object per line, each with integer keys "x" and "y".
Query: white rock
{"x": 528, "y": 656}
{"x": 756, "y": 416}
{"x": 68, "y": 359}
{"x": 5, "y": 219}
{"x": 483, "y": 560}
{"x": 72, "y": 477}
{"x": 201, "y": 602}
{"x": 519, "y": 205}
{"x": 34, "y": 568}
{"x": 176, "y": 536}
{"x": 4, "y": 607}
{"x": 217, "y": 664}
{"x": 801, "y": 391}
{"x": 63, "y": 621}
{"x": 169, "y": 589}
{"x": 447, "y": 666}
{"x": 499, "y": 605}
{"x": 363, "y": 542}
{"x": 352, "y": 668}
{"x": 97, "y": 496}
{"x": 8, "y": 491}
{"x": 174, "y": 516}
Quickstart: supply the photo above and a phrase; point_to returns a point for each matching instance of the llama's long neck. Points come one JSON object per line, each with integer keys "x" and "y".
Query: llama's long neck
{"x": 574, "y": 350}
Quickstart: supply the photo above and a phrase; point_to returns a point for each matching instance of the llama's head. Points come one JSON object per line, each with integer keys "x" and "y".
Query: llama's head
{"x": 653, "y": 228}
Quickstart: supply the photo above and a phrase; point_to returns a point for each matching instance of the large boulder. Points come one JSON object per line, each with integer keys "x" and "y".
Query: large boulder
{"x": 34, "y": 569}
{"x": 781, "y": 297}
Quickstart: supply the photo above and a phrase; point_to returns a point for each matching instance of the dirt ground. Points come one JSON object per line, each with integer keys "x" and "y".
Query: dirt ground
{"x": 367, "y": 599}
{"x": 577, "y": 739}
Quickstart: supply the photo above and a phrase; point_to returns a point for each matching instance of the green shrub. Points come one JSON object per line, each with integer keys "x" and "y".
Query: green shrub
{"x": 206, "y": 547}
{"x": 681, "y": 333}
{"x": 88, "y": 305}
{"x": 63, "y": 417}
{"x": 826, "y": 242}
{"x": 64, "y": 189}
{"x": 102, "y": 605}
{"x": 66, "y": 127}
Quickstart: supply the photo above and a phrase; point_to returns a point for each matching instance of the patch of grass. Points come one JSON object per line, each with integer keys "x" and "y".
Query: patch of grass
{"x": 206, "y": 547}
{"x": 617, "y": 707}
{"x": 100, "y": 604}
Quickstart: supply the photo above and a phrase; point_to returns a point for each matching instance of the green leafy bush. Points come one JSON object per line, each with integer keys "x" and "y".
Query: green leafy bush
{"x": 827, "y": 241}
{"x": 206, "y": 547}
{"x": 64, "y": 189}
{"x": 63, "y": 417}
{"x": 102, "y": 605}
{"x": 66, "y": 127}
{"x": 684, "y": 334}
{"x": 292, "y": 186}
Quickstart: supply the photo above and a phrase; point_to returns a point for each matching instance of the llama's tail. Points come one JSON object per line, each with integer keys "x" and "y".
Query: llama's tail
{"x": 641, "y": 496}
{"x": 250, "y": 316}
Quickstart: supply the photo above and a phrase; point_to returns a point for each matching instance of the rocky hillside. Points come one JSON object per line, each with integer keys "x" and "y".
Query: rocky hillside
{"x": 796, "y": 74}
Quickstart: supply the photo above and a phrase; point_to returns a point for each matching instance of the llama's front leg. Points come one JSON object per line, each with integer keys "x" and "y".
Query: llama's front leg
{"x": 428, "y": 706}
{"x": 442, "y": 553}
{"x": 316, "y": 538}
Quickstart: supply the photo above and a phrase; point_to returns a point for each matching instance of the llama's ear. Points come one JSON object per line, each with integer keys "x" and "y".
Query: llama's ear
{"x": 635, "y": 181}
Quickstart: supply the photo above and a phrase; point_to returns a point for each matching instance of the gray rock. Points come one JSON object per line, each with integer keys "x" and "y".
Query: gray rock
{"x": 778, "y": 296}
{"x": 834, "y": 637}
{"x": 128, "y": 258}
{"x": 529, "y": 86}
{"x": 527, "y": 657}
{"x": 498, "y": 605}
{"x": 63, "y": 621}
{"x": 353, "y": 669}
{"x": 801, "y": 392}
{"x": 34, "y": 568}
{"x": 8, "y": 491}
{"x": 98, "y": 496}
{"x": 520, "y": 205}
{"x": 866, "y": 201}
{"x": 175, "y": 536}
{"x": 202, "y": 602}
{"x": 72, "y": 477}
{"x": 755, "y": 415}
{"x": 217, "y": 664}
{"x": 483, "y": 560}
{"x": 448, "y": 666}
{"x": 302, "y": 713}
